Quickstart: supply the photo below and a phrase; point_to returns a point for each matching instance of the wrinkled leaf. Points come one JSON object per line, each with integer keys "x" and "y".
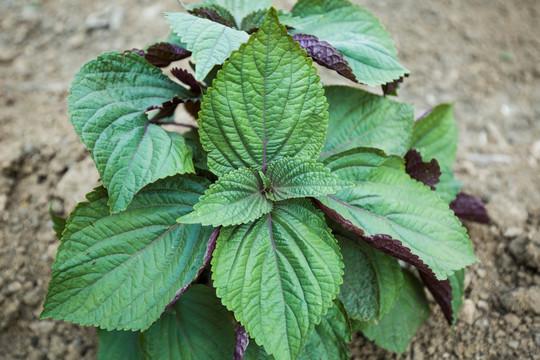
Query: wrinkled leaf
{"x": 358, "y": 118}
{"x": 253, "y": 20}
{"x": 325, "y": 54}
{"x": 163, "y": 53}
{"x": 396, "y": 329}
{"x": 279, "y": 275}
{"x": 119, "y": 345}
{"x": 294, "y": 178}
{"x": 357, "y": 34}
{"x": 217, "y": 14}
{"x": 281, "y": 111}
{"x": 387, "y": 201}
{"x": 121, "y": 270}
{"x": 108, "y": 100}
{"x": 328, "y": 340}
{"x": 196, "y": 327}
{"x": 371, "y": 282}
{"x": 236, "y": 198}
{"x": 211, "y": 49}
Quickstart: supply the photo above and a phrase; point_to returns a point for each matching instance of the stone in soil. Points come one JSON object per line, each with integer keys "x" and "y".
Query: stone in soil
{"x": 522, "y": 300}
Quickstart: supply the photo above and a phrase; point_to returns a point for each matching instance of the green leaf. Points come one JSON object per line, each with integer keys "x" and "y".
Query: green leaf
{"x": 386, "y": 200}
{"x": 328, "y": 340}
{"x": 358, "y": 118}
{"x": 108, "y": 100}
{"x": 371, "y": 283}
{"x": 448, "y": 186}
{"x": 253, "y": 20}
{"x": 210, "y": 43}
{"x": 396, "y": 329}
{"x": 119, "y": 345}
{"x": 256, "y": 352}
{"x": 119, "y": 271}
{"x": 58, "y": 223}
{"x": 279, "y": 275}
{"x": 265, "y": 104}
{"x": 236, "y": 198}
{"x": 196, "y": 327}
{"x": 457, "y": 282}
{"x": 435, "y": 137}
{"x": 294, "y": 178}
{"x": 360, "y": 36}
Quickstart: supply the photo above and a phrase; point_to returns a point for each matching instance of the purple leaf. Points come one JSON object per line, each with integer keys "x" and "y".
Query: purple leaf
{"x": 242, "y": 341}
{"x": 211, "y": 14}
{"x": 467, "y": 207}
{"x": 166, "y": 109}
{"x": 163, "y": 53}
{"x": 392, "y": 87}
{"x": 425, "y": 172}
{"x": 441, "y": 290}
{"x": 325, "y": 54}
{"x": 210, "y": 247}
{"x": 187, "y": 78}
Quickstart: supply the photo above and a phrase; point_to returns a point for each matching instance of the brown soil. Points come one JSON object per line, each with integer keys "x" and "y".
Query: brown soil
{"x": 482, "y": 55}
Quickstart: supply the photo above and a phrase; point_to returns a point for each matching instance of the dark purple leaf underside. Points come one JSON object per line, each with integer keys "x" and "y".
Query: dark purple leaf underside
{"x": 187, "y": 78}
{"x": 325, "y": 54}
{"x": 211, "y": 14}
{"x": 392, "y": 87}
{"x": 210, "y": 247}
{"x": 163, "y": 53}
{"x": 425, "y": 172}
{"x": 467, "y": 207}
{"x": 441, "y": 290}
{"x": 166, "y": 109}
{"x": 242, "y": 341}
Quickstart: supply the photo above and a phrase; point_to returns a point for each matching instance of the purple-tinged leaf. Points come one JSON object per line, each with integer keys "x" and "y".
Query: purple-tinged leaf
{"x": 392, "y": 87}
{"x": 425, "y": 172}
{"x": 210, "y": 247}
{"x": 187, "y": 78}
{"x": 325, "y": 54}
{"x": 211, "y": 14}
{"x": 441, "y": 290}
{"x": 162, "y": 54}
{"x": 242, "y": 341}
{"x": 166, "y": 109}
{"x": 467, "y": 207}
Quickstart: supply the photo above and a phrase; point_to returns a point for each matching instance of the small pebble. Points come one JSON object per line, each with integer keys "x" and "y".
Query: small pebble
{"x": 513, "y": 344}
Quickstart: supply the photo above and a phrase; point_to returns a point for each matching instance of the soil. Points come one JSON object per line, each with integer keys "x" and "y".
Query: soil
{"x": 482, "y": 55}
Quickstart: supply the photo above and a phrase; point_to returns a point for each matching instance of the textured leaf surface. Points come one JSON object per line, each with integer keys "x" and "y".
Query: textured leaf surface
{"x": 253, "y": 20}
{"x": 397, "y": 328}
{"x": 210, "y": 43}
{"x": 325, "y": 54}
{"x": 358, "y": 118}
{"x": 435, "y": 137}
{"x": 119, "y": 345}
{"x": 266, "y": 103}
{"x": 108, "y": 100}
{"x": 196, "y": 327}
{"x": 216, "y": 14}
{"x": 356, "y": 33}
{"x": 427, "y": 173}
{"x": 294, "y": 178}
{"x": 328, "y": 340}
{"x": 387, "y": 201}
{"x": 371, "y": 282}
{"x": 467, "y": 207}
{"x": 236, "y": 198}
{"x": 279, "y": 275}
{"x": 119, "y": 271}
